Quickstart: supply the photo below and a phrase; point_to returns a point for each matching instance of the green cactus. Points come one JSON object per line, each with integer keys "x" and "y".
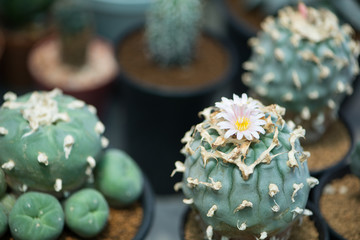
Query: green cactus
{"x": 17, "y": 13}
{"x": 75, "y": 29}
{"x": 118, "y": 178}
{"x": 7, "y": 202}
{"x": 36, "y": 216}
{"x": 241, "y": 188}
{"x": 306, "y": 62}
{"x": 3, "y": 184}
{"x": 3, "y": 222}
{"x": 172, "y": 29}
{"x": 86, "y": 212}
{"x": 49, "y": 141}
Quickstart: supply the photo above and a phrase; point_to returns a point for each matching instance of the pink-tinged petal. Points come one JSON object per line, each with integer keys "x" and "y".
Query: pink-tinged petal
{"x": 225, "y": 125}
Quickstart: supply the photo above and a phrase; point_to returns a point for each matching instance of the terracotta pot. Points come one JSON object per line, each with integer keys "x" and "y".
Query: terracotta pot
{"x": 157, "y": 117}
{"x": 320, "y": 225}
{"x": 91, "y": 83}
{"x": 335, "y": 174}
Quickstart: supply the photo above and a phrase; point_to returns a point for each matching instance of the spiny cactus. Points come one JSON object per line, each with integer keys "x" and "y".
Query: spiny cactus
{"x": 36, "y": 216}
{"x": 86, "y": 212}
{"x": 118, "y": 178}
{"x": 306, "y": 62}
{"x": 49, "y": 141}
{"x": 172, "y": 29}
{"x": 74, "y": 25}
{"x": 245, "y": 171}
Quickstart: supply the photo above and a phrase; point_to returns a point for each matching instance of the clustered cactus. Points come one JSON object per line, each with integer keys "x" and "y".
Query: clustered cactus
{"x": 51, "y": 145}
{"x": 305, "y": 61}
{"x": 172, "y": 29}
{"x": 245, "y": 181}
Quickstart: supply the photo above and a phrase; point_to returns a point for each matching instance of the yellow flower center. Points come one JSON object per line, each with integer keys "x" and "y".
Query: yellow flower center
{"x": 242, "y": 123}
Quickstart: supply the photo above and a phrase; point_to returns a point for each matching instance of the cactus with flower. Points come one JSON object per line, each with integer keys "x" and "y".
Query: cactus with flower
{"x": 172, "y": 29}
{"x": 245, "y": 172}
{"x": 305, "y": 61}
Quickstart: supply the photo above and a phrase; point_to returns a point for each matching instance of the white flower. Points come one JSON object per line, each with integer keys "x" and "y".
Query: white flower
{"x": 241, "y": 116}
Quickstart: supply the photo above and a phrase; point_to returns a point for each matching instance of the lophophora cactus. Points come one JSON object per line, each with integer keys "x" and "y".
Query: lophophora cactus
{"x": 172, "y": 29}
{"x": 245, "y": 171}
{"x": 306, "y": 62}
{"x": 50, "y": 142}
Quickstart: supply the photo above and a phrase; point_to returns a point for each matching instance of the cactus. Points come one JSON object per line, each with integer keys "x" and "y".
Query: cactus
{"x": 17, "y": 13}
{"x": 36, "y": 216}
{"x": 75, "y": 29}
{"x": 86, "y": 212}
{"x": 7, "y": 202}
{"x": 49, "y": 141}
{"x": 3, "y": 222}
{"x": 245, "y": 171}
{"x": 172, "y": 29}
{"x": 118, "y": 178}
{"x": 306, "y": 62}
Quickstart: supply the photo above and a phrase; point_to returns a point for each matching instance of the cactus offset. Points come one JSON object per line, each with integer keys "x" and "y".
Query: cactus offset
{"x": 49, "y": 141}
{"x": 305, "y": 61}
{"x": 245, "y": 172}
{"x": 172, "y": 30}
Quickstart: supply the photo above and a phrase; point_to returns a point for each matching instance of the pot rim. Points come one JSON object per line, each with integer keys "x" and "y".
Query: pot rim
{"x": 182, "y": 92}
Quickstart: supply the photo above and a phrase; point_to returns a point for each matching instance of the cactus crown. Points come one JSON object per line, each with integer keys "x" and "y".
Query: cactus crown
{"x": 172, "y": 29}
{"x": 305, "y": 61}
{"x": 249, "y": 185}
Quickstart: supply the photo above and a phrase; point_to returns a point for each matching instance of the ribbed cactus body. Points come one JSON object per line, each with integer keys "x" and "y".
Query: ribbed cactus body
{"x": 305, "y": 62}
{"x": 246, "y": 189}
{"x": 172, "y": 29}
{"x": 49, "y": 141}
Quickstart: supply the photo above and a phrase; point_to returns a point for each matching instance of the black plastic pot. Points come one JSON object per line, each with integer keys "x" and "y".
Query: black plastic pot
{"x": 336, "y": 173}
{"x": 316, "y": 217}
{"x": 157, "y": 119}
{"x": 346, "y": 159}
{"x": 148, "y": 203}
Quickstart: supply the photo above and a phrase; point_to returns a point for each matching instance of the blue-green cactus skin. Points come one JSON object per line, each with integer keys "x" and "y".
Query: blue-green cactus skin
{"x": 55, "y": 156}
{"x": 86, "y": 212}
{"x": 3, "y": 185}
{"x": 118, "y": 178}
{"x": 202, "y": 177}
{"x": 172, "y": 29}
{"x": 36, "y": 216}
{"x": 3, "y": 222}
{"x": 308, "y": 74}
{"x": 7, "y": 202}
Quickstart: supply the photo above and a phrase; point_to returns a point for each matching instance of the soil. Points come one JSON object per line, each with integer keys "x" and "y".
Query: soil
{"x": 330, "y": 149}
{"x": 123, "y": 225}
{"x": 210, "y": 64}
{"x": 340, "y": 206}
{"x": 46, "y": 66}
{"x": 305, "y": 231}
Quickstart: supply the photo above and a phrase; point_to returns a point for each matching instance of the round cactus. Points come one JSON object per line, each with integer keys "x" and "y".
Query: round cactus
{"x": 86, "y": 212}
{"x": 7, "y": 202}
{"x": 3, "y": 222}
{"x": 49, "y": 141}
{"x": 118, "y": 178}
{"x": 36, "y": 216}
{"x": 306, "y": 62}
{"x": 172, "y": 30}
{"x": 245, "y": 171}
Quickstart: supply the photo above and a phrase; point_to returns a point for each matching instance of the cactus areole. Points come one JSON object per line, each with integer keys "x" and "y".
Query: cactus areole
{"x": 49, "y": 141}
{"x": 245, "y": 171}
